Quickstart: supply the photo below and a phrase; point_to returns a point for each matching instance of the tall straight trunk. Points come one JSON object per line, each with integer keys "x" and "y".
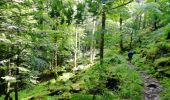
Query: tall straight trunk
{"x": 75, "y": 51}
{"x": 155, "y": 21}
{"x": 56, "y": 56}
{"x": 140, "y": 19}
{"x": 92, "y": 42}
{"x": 7, "y": 96}
{"x": 131, "y": 39}
{"x": 121, "y": 35}
{"x": 53, "y": 60}
{"x": 79, "y": 42}
{"x": 16, "y": 84}
{"x": 50, "y": 65}
{"x": 17, "y": 75}
{"x": 102, "y": 36}
{"x": 144, "y": 22}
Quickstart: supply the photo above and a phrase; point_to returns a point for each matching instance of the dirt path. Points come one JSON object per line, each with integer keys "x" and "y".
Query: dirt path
{"x": 152, "y": 87}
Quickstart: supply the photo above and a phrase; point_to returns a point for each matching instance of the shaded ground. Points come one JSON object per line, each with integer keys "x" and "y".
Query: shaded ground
{"x": 152, "y": 87}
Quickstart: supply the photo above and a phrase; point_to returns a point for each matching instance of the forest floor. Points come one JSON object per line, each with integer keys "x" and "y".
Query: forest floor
{"x": 152, "y": 87}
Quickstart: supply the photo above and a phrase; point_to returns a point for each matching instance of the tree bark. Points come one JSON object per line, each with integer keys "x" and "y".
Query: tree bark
{"x": 102, "y": 36}
{"x": 79, "y": 42}
{"x": 7, "y": 96}
{"x": 75, "y": 51}
{"x": 56, "y": 63}
{"x": 144, "y": 22}
{"x": 131, "y": 39}
{"x": 121, "y": 35}
{"x": 155, "y": 21}
{"x": 16, "y": 84}
{"x": 92, "y": 42}
{"x": 140, "y": 19}
{"x": 17, "y": 74}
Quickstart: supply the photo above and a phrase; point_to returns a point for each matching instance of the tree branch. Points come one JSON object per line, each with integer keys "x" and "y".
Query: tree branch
{"x": 122, "y": 4}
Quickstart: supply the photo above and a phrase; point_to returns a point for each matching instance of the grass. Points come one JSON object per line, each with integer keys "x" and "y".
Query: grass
{"x": 37, "y": 90}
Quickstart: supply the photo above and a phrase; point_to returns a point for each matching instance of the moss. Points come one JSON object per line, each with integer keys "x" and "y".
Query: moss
{"x": 166, "y": 92}
{"x": 151, "y": 52}
{"x": 164, "y": 47}
{"x": 95, "y": 79}
{"x": 167, "y": 71}
{"x": 162, "y": 65}
{"x": 163, "y": 61}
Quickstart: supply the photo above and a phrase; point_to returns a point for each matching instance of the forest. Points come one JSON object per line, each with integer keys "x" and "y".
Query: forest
{"x": 84, "y": 49}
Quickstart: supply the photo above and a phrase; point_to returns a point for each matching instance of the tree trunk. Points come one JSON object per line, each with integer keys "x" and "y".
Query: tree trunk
{"x": 121, "y": 35}
{"x": 144, "y": 22}
{"x": 2, "y": 81}
{"x": 155, "y": 21}
{"x": 102, "y": 36}
{"x": 79, "y": 42}
{"x": 17, "y": 75}
{"x": 140, "y": 19}
{"x": 56, "y": 63}
{"x": 16, "y": 84}
{"x": 50, "y": 65}
{"x": 92, "y": 42}
{"x": 131, "y": 39}
{"x": 7, "y": 96}
{"x": 53, "y": 61}
{"x": 75, "y": 51}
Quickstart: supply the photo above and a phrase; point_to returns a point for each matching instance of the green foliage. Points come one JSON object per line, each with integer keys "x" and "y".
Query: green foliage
{"x": 81, "y": 96}
{"x": 164, "y": 61}
{"x": 166, "y": 84}
{"x": 162, "y": 65}
{"x": 129, "y": 86}
{"x": 38, "y": 37}
{"x": 131, "y": 83}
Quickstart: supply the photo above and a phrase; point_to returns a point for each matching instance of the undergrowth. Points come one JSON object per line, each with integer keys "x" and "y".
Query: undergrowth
{"x": 114, "y": 80}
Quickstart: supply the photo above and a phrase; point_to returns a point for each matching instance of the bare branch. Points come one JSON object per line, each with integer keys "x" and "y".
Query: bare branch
{"x": 122, "y": 4}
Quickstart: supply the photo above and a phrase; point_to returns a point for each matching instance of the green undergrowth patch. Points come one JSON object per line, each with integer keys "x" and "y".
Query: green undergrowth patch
{"x": 165, "y": 95}
{"x": 130, "y": 82}
{"x": 106, "y": 95}
{"x": 142, "y": 64}
{"x": 112, "y": 81}
{"x": 40, "y": 89}
{"x": 154, "y": 57}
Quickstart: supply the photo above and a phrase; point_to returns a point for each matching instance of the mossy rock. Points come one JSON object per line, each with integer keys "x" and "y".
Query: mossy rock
{"x": 77, "y": 87}
{"x": 59, "y": 91}
{"x": 151, "y": 52}
{"x": 163, "y": 65}
{"x": 163, "y": 61}
{"x": 167, "y": 71}
{"x": 164, "y": 47}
